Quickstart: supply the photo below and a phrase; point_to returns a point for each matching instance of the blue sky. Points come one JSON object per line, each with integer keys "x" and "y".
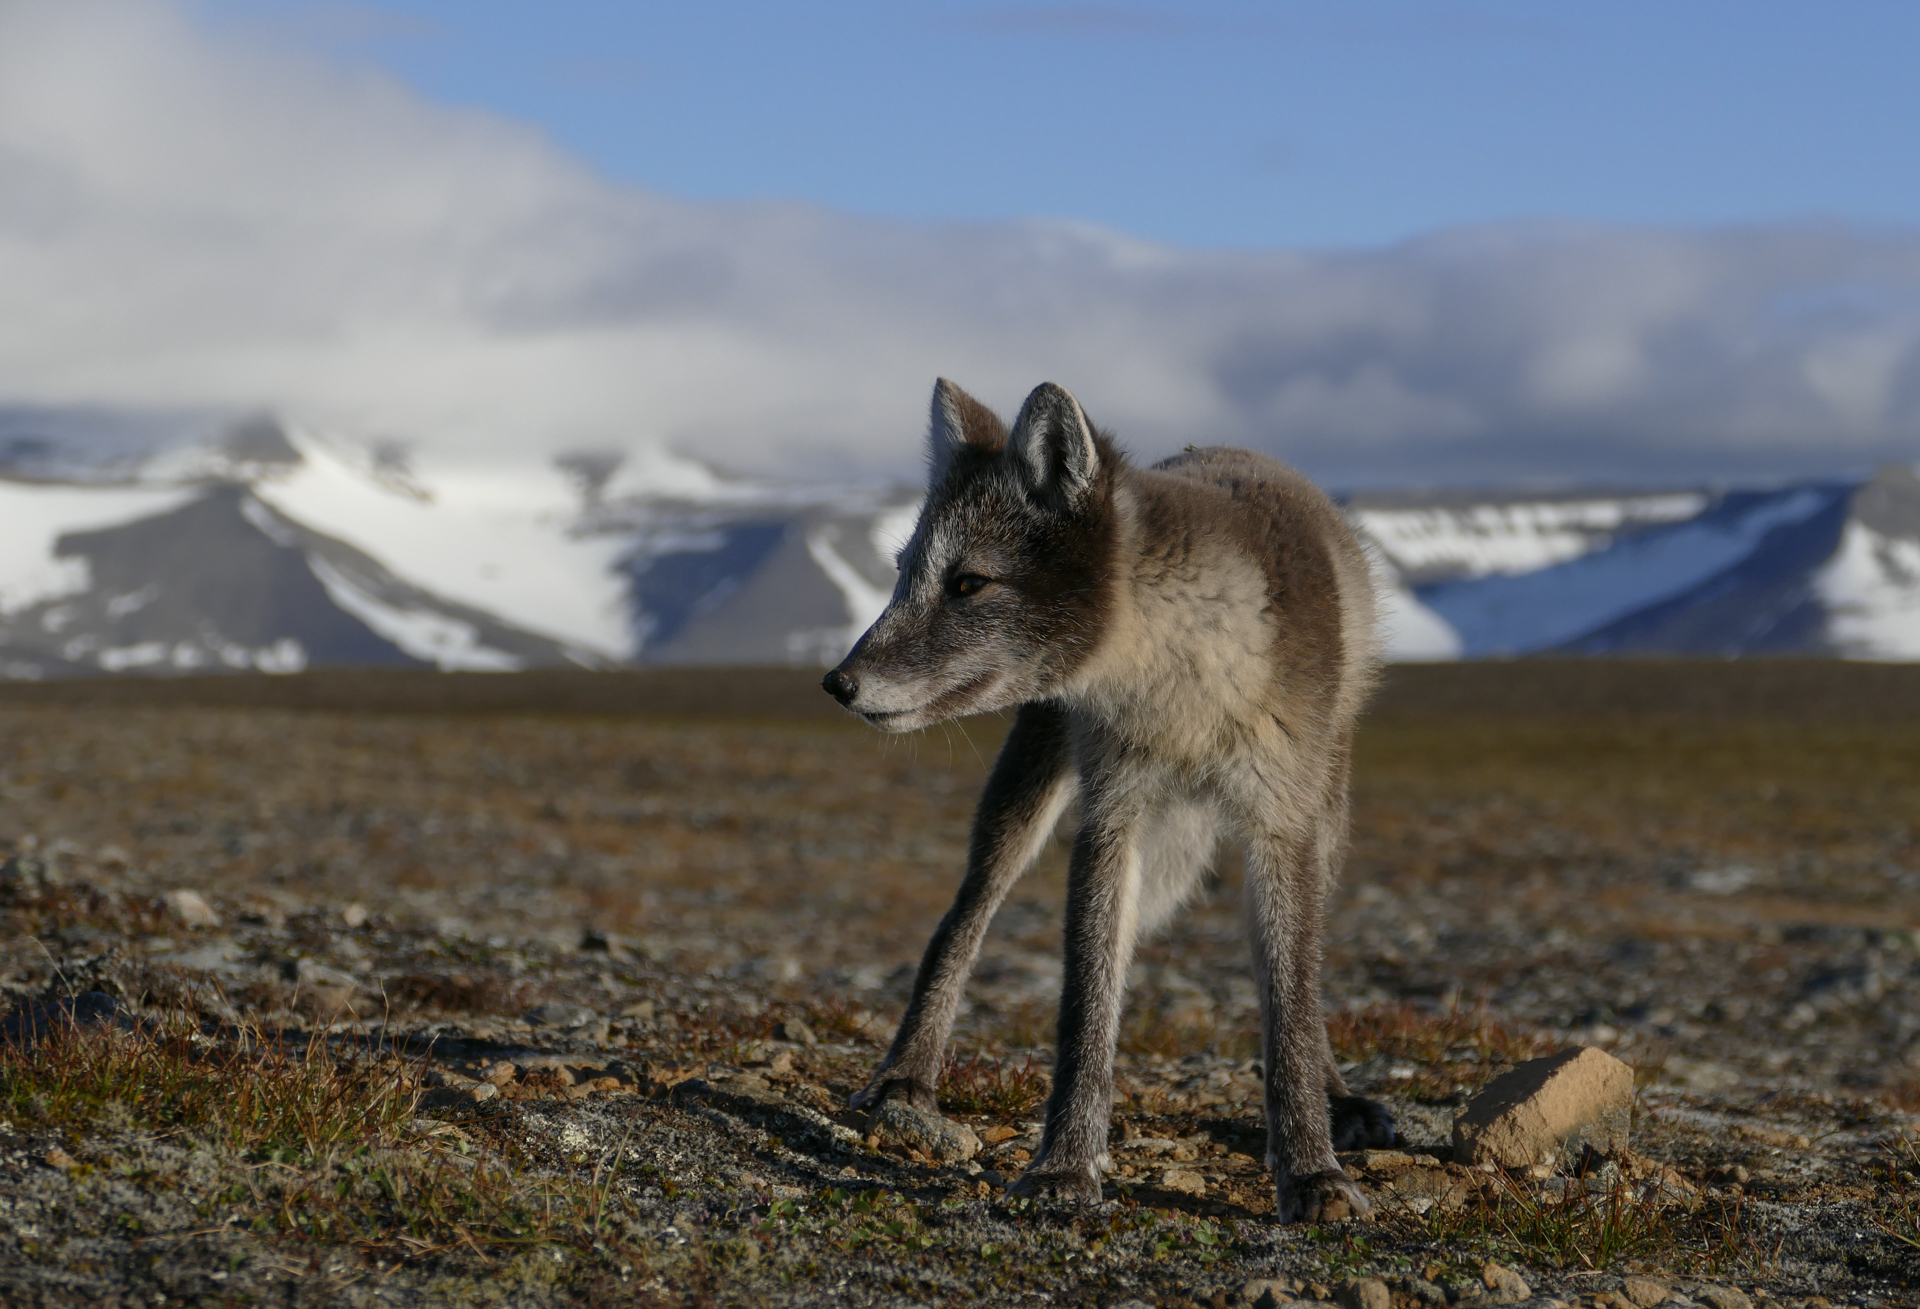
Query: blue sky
{"x": 1228, "y": 124}
{"x": 1396, "y": 244}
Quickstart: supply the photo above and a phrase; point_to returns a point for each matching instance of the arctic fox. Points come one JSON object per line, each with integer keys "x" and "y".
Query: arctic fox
{"x": 1189, "y": 646}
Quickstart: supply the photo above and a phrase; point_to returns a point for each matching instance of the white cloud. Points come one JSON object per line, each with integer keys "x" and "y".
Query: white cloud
{"x": 195, "y": 220}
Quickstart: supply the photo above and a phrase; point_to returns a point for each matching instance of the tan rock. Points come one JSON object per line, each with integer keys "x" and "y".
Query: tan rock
{"x": 1364, "y": 1293}
{"x": 1268, "y": 1292}
{"x": 1504, "y": 1286}
{"x": 1723, "y": 1297}
{"x": 1645, "y": 1292}
{"x": 190, "y": 909}
{"x": 1548, "y": 1110}
{"x": 899, "y": 1124}
{"x": 1184, "y": 1180}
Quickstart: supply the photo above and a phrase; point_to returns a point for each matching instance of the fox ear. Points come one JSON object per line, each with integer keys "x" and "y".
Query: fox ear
{"x": 958, "y": 420}
{"x": 1052, "y": 443}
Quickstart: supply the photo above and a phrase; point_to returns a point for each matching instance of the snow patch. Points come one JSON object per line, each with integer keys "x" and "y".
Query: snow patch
{"x": 498, "y": 537}
{"x": 434, "y": 637}
{"x": 1512, "y": 538}
{"x": 865, "y": 601}
{"x": 33, "y": 518}
{"x": 1871, "y": 588}
{"x": 1508, "y": 615}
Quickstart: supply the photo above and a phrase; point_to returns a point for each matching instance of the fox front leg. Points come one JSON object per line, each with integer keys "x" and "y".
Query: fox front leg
{"x": 1103, "y": 893}
{"x": 1030, "y": 784}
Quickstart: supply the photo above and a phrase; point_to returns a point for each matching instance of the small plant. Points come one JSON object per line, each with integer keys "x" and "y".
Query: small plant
{"x": 979, "y": 1085}
{"x": 1899, "y": 1216}
{"x": 852, "y": 1221}
{"x": 1453, "y": 1050}
{"x": 1624, "y": 1223}
{"x": 1151, "y": 1031}
{"x": 333, "y": 1123}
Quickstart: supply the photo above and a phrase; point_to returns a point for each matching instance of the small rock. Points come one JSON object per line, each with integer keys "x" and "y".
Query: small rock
{"x": 1183, "y": 1180}
{"x": 1130, "y": 1304}
{"x": 190, "y": 909}
{"x": 640, "y": 1009}
{"x": 354, "y": 915}
{"x": 1422, "y": 1292}
{"x": 58, "y": 1158}
{"x": 898, "y": 1123}
{"x": 1504, "y": 1286}
{"x": 1364, "y": 1293}
{"x": 1385, "y": 1159}
{"x": 1267, "y": 1293}
{"x": 1732, "y": 1175}
{"x": 792, "y": 1029}
{"x": 113, "y": 858}
{"x": 1722, "y": 1297}
{"x": 559, "y": 1014}
{"x": 454, "y": 1097}
{"x": 1645, "y": 1292}
{"x": 498, "y": 1074}
{"x": 1558, "y": 1108}
{"x": 995, "y": 1135}
{"x": 88, "y": 1009}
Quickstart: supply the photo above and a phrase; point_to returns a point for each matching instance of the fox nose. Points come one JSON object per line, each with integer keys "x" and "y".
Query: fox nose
{"x": 840, "y": 686}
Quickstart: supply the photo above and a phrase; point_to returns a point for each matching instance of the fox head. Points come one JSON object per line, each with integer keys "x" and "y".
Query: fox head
{"x": 1005, "y": 582}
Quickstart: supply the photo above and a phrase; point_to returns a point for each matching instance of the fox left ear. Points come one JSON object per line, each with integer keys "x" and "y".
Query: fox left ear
{"x": 1052, "y": 443}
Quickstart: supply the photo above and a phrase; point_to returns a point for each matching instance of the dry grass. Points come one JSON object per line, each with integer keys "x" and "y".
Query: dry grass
{"x": 251, "y": 1093}
{"x": 1452, "y": 1050}
{"x": 317, "y": 1143}
{"x": 995, "y": 1088}
{"x": 1625, "y": 1224}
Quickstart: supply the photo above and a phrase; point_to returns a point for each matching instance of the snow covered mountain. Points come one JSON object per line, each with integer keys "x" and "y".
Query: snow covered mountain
{"x": 197, "y": 543}
{"x": 1811, "y": 568}
{"x": 251, "y": 547}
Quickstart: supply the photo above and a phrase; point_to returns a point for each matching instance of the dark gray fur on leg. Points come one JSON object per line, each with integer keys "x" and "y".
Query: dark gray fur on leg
{"x": 1030, "y": 784}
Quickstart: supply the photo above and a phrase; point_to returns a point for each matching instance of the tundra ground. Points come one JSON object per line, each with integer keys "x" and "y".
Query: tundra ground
{"x": 553, "y": 991}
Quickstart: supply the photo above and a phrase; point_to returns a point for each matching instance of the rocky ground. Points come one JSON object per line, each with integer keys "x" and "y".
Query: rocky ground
{"x": 520, "y": 1006}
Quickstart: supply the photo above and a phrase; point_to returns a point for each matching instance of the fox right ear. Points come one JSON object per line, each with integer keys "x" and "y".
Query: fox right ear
{"x": 958, "y": 420}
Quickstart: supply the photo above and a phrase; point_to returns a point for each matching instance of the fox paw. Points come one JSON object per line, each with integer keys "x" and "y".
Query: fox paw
{"x": 890, "y": 1085}
{"x": 1073, "y": 1187}
{"x": 1318, "y": 1198}
{"x": 1359, "y": 1123}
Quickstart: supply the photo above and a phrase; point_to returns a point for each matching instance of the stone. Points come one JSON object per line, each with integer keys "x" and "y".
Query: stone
{"x": 558, "y": 1014}
{"x": 190, "y": 909}
{"x": 456, "y": 1097}
{"x": 354, "y": 915}
{"x": 1267, "y": 1293}
{"x": 792, "y": 1029}
{"x": 1644, "y": 1292}
{"x": 639, "y": 1009}
{"x": 1504, "y": 1286}
{"x": 1183, "y": 1180}
{"x": 1364, "y": 1293}
{"x": 1554, "y": 1110}
{"x": 36, "y": 1022}
{"x": 498, "y": 1073}
{"x": 898, "y": 1123}
{"x": 1722, "y": 1297}
{"x": 58, "y": 1158}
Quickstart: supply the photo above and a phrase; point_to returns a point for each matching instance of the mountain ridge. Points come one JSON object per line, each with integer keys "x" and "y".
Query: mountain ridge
{"x": 246, "y": 545}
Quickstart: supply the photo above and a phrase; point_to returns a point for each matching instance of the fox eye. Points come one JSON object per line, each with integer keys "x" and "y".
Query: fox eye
{"x": 967, "y": 584}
